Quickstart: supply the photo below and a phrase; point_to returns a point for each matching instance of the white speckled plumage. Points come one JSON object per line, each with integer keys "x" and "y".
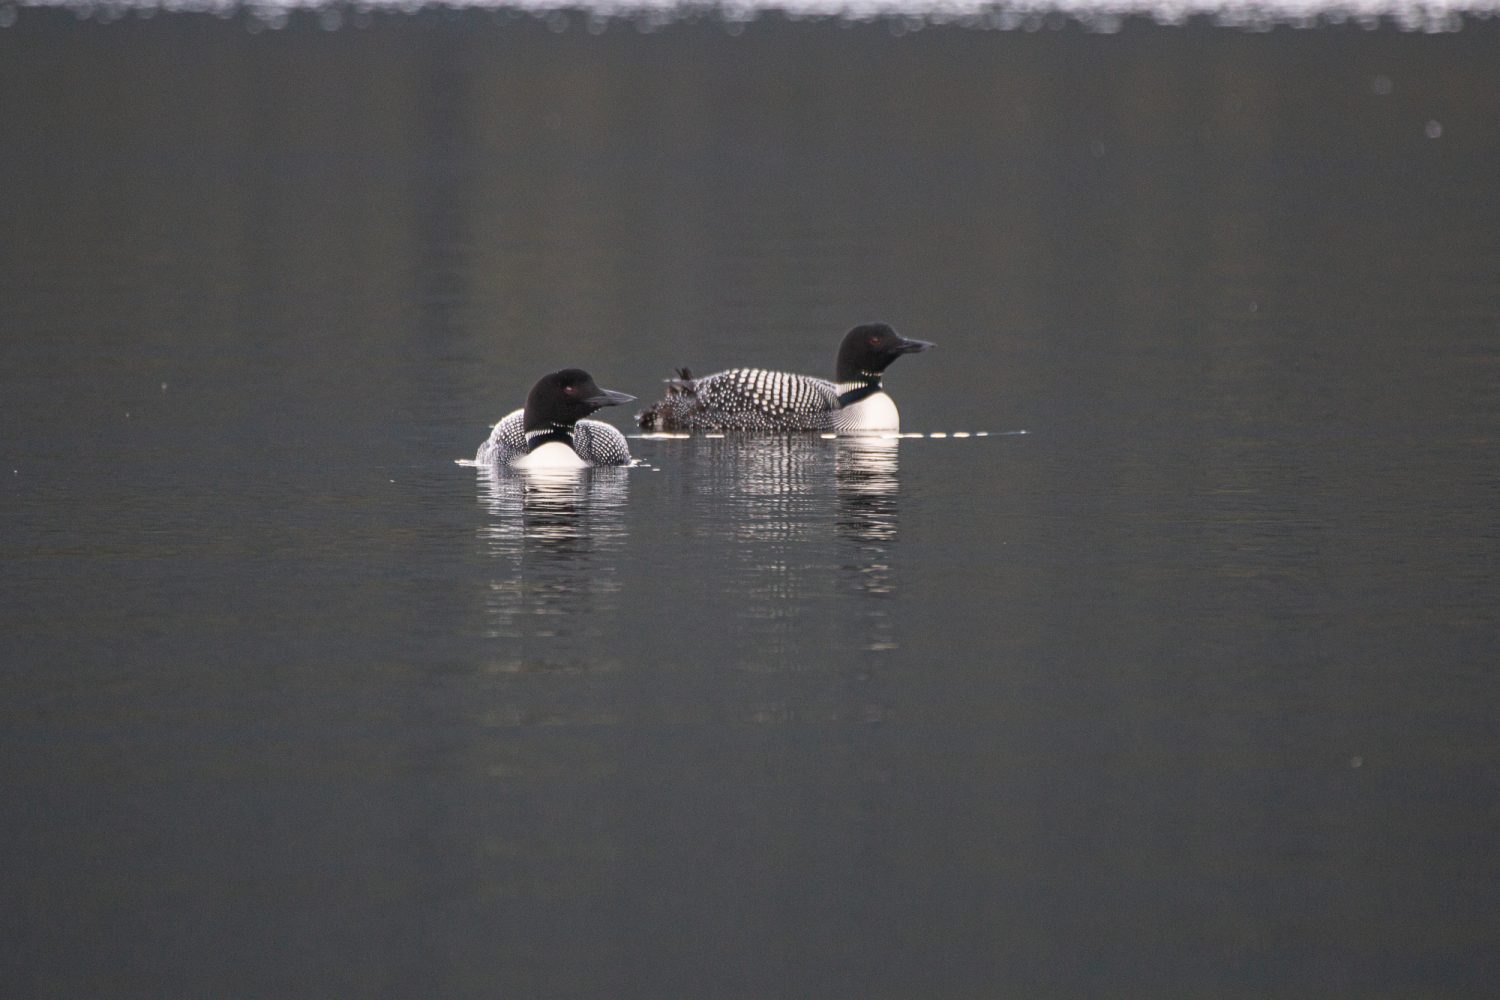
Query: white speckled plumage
{"x": 755, "y": 399}
{"x": 594, "y": 443}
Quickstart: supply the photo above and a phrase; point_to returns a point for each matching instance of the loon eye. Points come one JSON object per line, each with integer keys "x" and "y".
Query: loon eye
{"x": 874, "y": 340}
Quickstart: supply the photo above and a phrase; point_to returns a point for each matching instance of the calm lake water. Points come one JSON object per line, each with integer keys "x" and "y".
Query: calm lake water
{"x": 1190, "y": 690}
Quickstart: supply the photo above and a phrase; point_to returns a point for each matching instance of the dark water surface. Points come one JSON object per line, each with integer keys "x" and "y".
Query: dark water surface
{"x": 1191, "y": 690}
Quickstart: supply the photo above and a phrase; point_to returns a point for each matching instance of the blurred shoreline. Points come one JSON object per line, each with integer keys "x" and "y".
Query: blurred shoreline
{"x": 898, "y": 16}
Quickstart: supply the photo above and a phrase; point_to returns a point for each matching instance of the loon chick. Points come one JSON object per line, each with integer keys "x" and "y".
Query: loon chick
{"x": 551, "y": 432}
{"x": 753, "y": 399}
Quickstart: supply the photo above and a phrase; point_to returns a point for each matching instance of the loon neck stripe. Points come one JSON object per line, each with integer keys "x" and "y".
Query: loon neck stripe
{"x": 866, "y": 387}
{"x": 543, "y": 435}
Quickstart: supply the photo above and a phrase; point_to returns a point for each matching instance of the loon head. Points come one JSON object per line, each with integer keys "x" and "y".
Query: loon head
{"x": 869, "y": 349}
{"x": 563, "y": 398}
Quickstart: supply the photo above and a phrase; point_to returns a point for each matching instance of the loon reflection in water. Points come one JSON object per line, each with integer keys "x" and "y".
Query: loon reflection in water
{"x": 554, "y": 537}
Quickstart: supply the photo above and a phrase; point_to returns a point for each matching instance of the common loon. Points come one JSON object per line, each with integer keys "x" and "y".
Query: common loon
{"x": 550, "y": 433}
{"x": 753, "y": 399}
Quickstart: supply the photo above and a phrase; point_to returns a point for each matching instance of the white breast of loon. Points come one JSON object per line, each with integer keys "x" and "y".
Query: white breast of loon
{"x": 876, "y": 412}
{"x": 552, "y": 455}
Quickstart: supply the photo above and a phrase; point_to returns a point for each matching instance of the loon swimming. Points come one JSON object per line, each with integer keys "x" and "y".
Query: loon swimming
{"x": 753, "y": 399}
{"x": 550, "y": 433}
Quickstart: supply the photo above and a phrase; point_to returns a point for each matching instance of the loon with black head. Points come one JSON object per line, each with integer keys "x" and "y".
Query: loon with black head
{"x": 551, "y": 432}
{"x": 753, "y": 399}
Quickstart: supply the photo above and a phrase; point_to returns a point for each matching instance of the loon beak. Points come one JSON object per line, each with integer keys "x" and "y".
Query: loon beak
{"x": 608, "y": 397}
{"x": 913, "y": 346}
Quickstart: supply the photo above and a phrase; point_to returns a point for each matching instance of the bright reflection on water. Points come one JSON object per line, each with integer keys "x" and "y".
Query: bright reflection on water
{"x": 868, "y": 520}
{"x": 553, "y": 535}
